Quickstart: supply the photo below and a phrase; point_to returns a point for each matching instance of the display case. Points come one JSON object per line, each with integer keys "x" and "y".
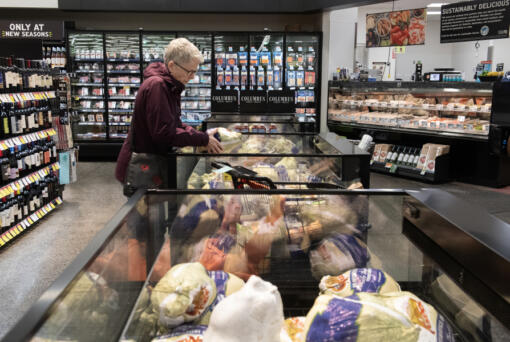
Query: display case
{"x": 283, "y": 158}
{"x": 123, "y": 69}
{"x": 413, "y": 114}
{"x": 88, "y": 94}
{"x": 261, "y": 124}
{"x": 434, "y": 258}
{"x": 455, "y": 109}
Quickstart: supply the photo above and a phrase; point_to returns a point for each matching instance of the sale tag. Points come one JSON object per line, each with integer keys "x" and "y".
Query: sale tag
{"x": 52, "y": 206}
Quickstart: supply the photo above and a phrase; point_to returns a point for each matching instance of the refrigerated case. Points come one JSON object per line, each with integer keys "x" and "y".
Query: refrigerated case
{"x": 286, "y": 159}
{"x": 457, "y": 114}
{"x": 253, "y": 123}
{"x": 421, "y": 239}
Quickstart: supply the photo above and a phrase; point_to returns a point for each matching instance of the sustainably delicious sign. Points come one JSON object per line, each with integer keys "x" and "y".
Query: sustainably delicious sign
{"x": 475, "y": 20}
{"x": 45, "y": 30}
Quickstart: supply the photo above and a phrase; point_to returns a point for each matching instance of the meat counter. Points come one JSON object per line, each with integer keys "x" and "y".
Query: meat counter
{"x": 321, "y": 158}
{"x": 283, "y": 265}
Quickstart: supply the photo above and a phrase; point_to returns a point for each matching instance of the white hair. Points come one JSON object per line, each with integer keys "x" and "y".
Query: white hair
{"x": 182, "y": 50}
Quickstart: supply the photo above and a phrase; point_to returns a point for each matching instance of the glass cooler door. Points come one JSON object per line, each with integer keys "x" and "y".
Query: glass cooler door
{"x": 87, "y": 63}
{"x": 365, "y": 254}
{"x": 266, "y": 61}
{"x": 124, "y": 77}
{"x": 196, "y": 98}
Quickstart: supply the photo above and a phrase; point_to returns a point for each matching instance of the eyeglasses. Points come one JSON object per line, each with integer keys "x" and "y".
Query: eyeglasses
{"x": 190, "y": 72}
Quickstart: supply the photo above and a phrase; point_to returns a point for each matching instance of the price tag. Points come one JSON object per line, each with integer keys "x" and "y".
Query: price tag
{"x": 439, "y": 106}
{"x": 5, "y": 239}
{"x": 7, "y": 233}
{"x": 394, "y": 104}
{"x": 52, "y": 206}
{"x": 4, "y": 146}
{"x": 24, "y": 224}
{"x": 58, "y": 200}
{"x": 388, "y": 165}
{"x": 473, "y": 108}
{"x": 461, "y": 118}
{"x": 39, "y": 215}
{"x": 393, "y": 168}
{"x": 451, "y": 106}
{"x": 383, "y": 104}
{"x": 44, "y": 210}
{"x": 16, "y": 230}
{"x": 425, "y": 106}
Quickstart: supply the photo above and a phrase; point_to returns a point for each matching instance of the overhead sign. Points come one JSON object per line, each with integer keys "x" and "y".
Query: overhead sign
{"x": 475, "y": 20}
{"x": 30, "y": 29}
{"x": 398, "y": 28}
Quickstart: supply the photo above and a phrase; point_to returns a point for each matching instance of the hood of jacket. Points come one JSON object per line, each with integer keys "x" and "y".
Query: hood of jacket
{"x": 160, "y": 69}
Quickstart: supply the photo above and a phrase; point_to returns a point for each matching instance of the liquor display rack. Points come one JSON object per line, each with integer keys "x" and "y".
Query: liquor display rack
{"x": 106, "y": 68}
{"x": 29, "y": 164}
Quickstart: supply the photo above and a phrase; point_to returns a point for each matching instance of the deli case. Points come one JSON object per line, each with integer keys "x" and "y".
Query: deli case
{"x": 458, "y": 116}
{"x": 283, "y": 158}
{"x": 168, "y": 262}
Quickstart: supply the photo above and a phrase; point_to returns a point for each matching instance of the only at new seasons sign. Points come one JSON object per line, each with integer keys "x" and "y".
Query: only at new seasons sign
{"x": 45, "y": 30}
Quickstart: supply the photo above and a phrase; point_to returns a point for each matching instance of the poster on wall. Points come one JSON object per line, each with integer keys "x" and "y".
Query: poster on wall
{"x": 398, "y": 28}
{"x": 475, "y": 20}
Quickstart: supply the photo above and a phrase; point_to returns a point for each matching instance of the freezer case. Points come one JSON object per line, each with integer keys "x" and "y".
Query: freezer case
{"x": 421, "y": 249}
{"x": 283, "y": 158}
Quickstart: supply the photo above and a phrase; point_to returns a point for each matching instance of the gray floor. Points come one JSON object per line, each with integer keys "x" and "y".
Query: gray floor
{"x": 33, "y": 262}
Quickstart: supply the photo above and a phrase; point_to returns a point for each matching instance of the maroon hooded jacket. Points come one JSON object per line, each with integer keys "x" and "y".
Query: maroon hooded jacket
{"x": 157, "y": 119}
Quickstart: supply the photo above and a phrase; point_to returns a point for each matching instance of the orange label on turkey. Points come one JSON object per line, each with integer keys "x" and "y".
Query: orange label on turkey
{"x": 336, "y": 284}
{"x": 418, "y": 315}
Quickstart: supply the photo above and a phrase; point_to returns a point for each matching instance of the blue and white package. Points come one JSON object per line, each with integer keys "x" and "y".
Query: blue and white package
{"x": 300, "y": 77}
{"x": 261, "y": 76}
{"x": 363, "y": 317}
{"x": 254, "y": 57}
{"x": 291, "y": 78}
{"x": 277, "y": 77}
{"x": 253, "y": 76}
{"x": 265, "y": 58}
{"x": 269, "y": 77}
{"x": 243, "y": 57}
{"x": 358, "y": 280}
{"x": 184, "y": 333}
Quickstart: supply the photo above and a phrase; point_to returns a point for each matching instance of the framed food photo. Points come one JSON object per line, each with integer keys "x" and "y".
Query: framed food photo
{"x": 397, "y": 28}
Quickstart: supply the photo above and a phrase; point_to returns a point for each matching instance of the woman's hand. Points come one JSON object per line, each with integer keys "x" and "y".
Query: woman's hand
{"x": 214, "y": 145}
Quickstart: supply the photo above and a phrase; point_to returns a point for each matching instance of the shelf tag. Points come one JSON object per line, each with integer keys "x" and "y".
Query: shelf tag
{"x": 473, "y": 108}
{"x": 461, "y": 118}
{"x": 388, "y": 165}
{"x": 393, "y": 168}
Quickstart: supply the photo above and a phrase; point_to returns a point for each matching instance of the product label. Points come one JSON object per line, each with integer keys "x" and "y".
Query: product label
{"x": 337, "y": 322}
{"x": 367, "y": 280}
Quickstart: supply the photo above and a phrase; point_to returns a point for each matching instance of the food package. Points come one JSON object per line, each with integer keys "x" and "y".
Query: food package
{"x": 334, "y": 217}
{"x": 196, "y": 219}
{"x": 252, "y": 314}
{"x": 428, "y": 156}
{"x": 226, "y": 284}
{"x": 397, "y": 316}
{"x": 184, "y": 333}
{"x": 338, "y": 253}
{"x": 423, "y": 156}
{"x": 183, "y": 294}
{"x": 385, "y": 148}
{"x": 293, "y": 330}
{"x": 358, "y": 280}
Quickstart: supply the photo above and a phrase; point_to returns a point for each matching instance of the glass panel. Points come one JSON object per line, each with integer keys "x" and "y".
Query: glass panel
{"x": 196, "y": 98}
{"x": 153, "y": 47}
{"x": 87, "y": 86}
{"x": 124, "y": 77}
{"x": 98, "y": 303}
{"x": 302, "y": 72}
{"x": 253, "y": 123}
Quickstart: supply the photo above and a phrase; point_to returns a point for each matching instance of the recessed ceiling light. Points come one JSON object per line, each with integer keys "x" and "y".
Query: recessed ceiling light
{"x": 437, "y": 4}
{"x": 433, "y": 12}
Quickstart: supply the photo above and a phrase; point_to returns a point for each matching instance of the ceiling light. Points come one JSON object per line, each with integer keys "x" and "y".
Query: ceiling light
{"x": 433, "y": 12}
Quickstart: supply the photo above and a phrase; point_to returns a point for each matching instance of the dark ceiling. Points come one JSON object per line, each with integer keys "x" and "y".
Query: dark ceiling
{"x": 212, "y": 6}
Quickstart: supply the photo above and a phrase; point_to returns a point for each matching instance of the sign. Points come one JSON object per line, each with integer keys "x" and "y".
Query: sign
{"x": 475, "y": 20}
{"x": 399, "y": 28}
{"x": 400, "y": 49}
{"x": 281, "y": 101}
{"x": 253, "y": 101}
{"x": 224, "y": 101}
{"x": 29, "y": 29}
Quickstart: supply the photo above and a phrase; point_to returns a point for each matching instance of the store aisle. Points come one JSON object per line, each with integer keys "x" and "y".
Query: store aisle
{"x": 34, "y": 261}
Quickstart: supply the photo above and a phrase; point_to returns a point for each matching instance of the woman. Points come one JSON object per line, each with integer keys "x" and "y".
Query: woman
{"x": 156, "y": 124}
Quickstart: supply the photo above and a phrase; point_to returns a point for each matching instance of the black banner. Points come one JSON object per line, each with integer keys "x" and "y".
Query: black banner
{"x": 30, "y": 29}
{"x": 475, "y": 20}
{"x": 253, "y": 101}
{"x": 224, "y": 101}
{"x": 281, "y": 101}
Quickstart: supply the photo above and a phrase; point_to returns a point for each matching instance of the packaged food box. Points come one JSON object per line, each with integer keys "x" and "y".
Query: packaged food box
{"x": 385, "y": 148}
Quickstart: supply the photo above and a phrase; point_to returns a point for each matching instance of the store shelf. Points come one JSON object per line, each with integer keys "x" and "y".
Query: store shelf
{"x": 91, "y": 110}
{"x": 205, "y": 97}
{"x": 26, "y": 138}
{"x": 124, "y": 84}
{"x": 120, "y": 72}
{"x": 121, "y": 111}
{"x": 153, "y": 60}
{"x": 122, "y": 97}
{"x": 440, "y": 175}
{"x": 123, "y": 60}
{"x": 90, "y": 136}
{"x": 91, "y": 123}
{"x": 89, "y": 60}
{"x": 192, "y": 122}
{"x": 118, "y": 136}
{"x": 421, "y": 131}
{"x": 29, "y": 222}
{"x": 119, "y": 123}
{"x": 89, "y": 72}
{"x": 86, "y": 97}
{"x": 98, "y": 85}
{"x": 436, "y": 108}
{"x": 198, "y": 85}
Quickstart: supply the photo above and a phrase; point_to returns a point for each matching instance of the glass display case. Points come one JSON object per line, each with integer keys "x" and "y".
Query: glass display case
{"x": 196, "y": 98}
{"x": 88, "y": 96}
{"x": 283, "y": 158}
{"x": 302, "y": 65}
{"x": 458, "y": 110}
{"x": 123, "y": 69}
{"x": 158, "y": 268}
{"x": 261, "y": 124}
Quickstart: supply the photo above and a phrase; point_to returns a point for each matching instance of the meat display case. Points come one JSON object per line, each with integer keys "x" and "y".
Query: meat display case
{"x": 424, "y": 240}
{"x": 458, "y": 114}
{"x": 284, "y": 158}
